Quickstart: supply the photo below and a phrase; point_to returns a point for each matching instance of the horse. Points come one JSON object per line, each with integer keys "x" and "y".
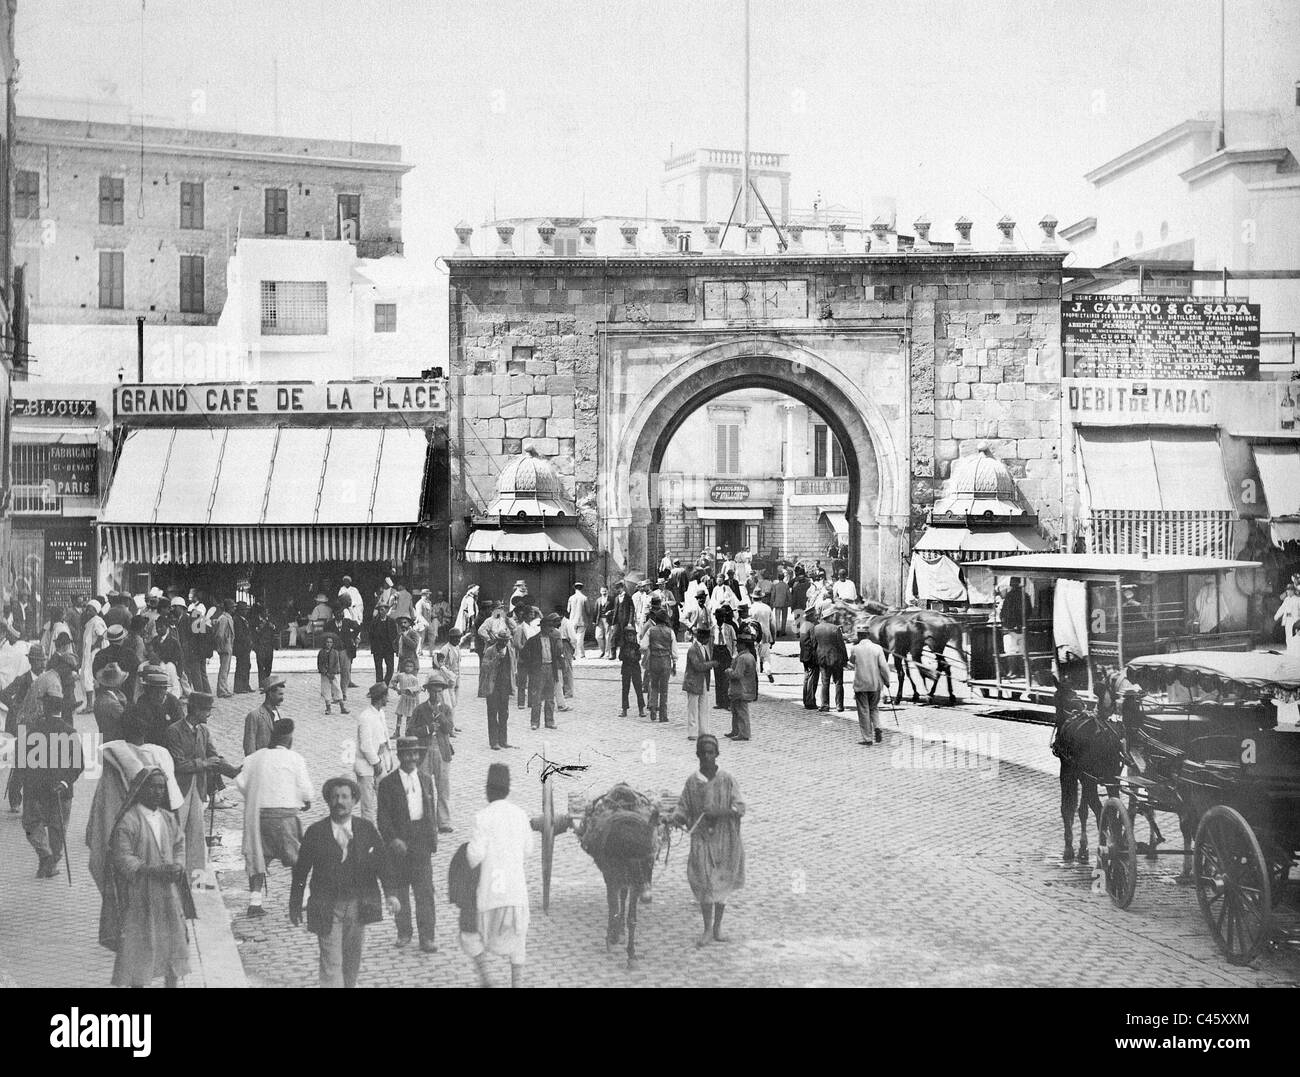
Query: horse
{"x": 621, "y": 833}
{"x": 1091, "y": 749}
{"x": 904, "y": 634}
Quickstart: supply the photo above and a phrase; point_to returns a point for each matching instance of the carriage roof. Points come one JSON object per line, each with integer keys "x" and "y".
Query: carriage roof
{"x": 1083, "y": 565}
{"x": 1250, "y": 669}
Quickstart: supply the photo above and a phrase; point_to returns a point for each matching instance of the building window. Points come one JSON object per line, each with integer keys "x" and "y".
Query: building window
{"x": 27, "y": 195}
{"x": 191, "y": 205}
{"x": 191, "y": 284}
{"x": 112, "y": 272}
{"x": 825, "y": 447}
{"x": 350, "y": 217}
{"x": 277, "y": 212}
{"x": 727, "y": 442}
{"x": 566, "y": 246}
{"x": 385, "y": 317}
{"x": 293, "y": 308}
{"x": 112, "y": 195}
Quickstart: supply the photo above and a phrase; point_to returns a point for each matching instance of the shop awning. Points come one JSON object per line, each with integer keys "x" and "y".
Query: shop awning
{"x": 53, "y": 434}
{"x": 266, "y": 494}
{"x": 1279, "y": 471}
{"x": 974, "y": 545}
{"x": 749, "y": 513}
{"x": 528, "y": 544}
{"x": 839, "y": 524}
{"x": 1175, "y": 470}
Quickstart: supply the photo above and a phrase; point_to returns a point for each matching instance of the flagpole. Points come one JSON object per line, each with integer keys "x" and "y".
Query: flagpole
{"x": 744, "y": 182}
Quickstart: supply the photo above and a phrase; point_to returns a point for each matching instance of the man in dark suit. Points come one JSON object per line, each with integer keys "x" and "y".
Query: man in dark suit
{"x": 624, "y": 615}
{"x": 408, "y": 823}
{"x": 383, "y": 643}
{"x": 832, "y": 657}
{"x": 808, "y": 658}
{"x": 345, "y": 860}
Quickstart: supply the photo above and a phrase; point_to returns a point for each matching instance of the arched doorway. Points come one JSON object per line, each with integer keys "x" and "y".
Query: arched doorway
{"x": 876, "y": 508}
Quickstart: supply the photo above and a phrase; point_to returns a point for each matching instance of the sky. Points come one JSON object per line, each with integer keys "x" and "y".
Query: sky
{"x": 564, "y": 107}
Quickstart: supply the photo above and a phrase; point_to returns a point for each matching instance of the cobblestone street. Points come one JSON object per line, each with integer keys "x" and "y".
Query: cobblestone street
{"x": 865, "y": 866}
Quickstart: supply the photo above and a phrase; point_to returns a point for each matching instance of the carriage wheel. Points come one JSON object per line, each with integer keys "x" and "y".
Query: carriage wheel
{"x": 1118, "y": 853}
{"x": 1232, "y": 884}
{"x": 548, "y": 841}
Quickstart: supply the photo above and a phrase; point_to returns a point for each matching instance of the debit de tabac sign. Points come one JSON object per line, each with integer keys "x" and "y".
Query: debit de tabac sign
{"x": 282, "y": 399}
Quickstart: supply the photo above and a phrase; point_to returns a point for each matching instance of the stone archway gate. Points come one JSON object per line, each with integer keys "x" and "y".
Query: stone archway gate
{"x": 912, "y": 359}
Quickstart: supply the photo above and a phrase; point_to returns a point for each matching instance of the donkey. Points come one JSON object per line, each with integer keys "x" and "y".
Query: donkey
{"x": 623, "y": 839}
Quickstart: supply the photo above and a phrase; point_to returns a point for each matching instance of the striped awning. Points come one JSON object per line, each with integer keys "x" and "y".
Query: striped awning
{"x": 528, "y": 544}
{"x": 153, "y": 545}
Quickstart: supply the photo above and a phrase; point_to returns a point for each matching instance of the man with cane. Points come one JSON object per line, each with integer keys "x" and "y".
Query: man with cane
{"x": 47, "y": 788}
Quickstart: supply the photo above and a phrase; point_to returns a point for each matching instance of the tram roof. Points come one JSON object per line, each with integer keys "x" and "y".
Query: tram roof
{"x": 1115, "y": 564}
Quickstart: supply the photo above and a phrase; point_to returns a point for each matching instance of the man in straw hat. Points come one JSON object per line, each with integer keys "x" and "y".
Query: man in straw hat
{"x": 47, "y": 787}
{"x": 408, "y": 823}
{"x": 711, "y": 807}
{"x": 199, "y": 770}
{"x": 276, "y": 789}
{"x": 343, "y": 857}
{"x": 259, "y": 724}
{"x": 118, "y": 650}
{"x": 495, "y": 686}
{"x": 156, "y": 707}
{"x": 742, "y": 676}
{"x": 372, "y": 760}
{"x": 110, "y": 701}
{"x": 498, "y": 847}
{"x": 22, "y": 701}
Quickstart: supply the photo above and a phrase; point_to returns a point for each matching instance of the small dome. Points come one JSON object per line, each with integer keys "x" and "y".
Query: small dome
{"x": 980, "y": 475}
{"x": 528, "y": 476}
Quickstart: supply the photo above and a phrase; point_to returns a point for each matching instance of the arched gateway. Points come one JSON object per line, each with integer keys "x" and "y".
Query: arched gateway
{"x": 910, "y": 359}
{"x": 639, "y": 438}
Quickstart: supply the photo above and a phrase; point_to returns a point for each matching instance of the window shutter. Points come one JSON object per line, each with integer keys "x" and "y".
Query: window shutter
{"x": 733, "y": 450}
{"x": 720, "y": 441}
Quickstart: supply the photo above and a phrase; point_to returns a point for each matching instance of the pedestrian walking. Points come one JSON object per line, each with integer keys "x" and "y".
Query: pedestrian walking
{"x": 501, "y": 841}
{"x": 541, "y": 659}
{"x": 623, "y": 616}
{"x": 695, "y": 683}
{"x": 408, "y": 826}
{"x": 602, "y": 614}
{"x": 343, "y": 857}
{"x": 47, "y": 789}
{"x": 147, "y": 858}
{"x": 661, "y": 664}
{"x": 724, "y": 652}
{"x": 577, "y": 613}
{"x": 832, "y": 657}
{"x": 742, "y": 689}
{"x": 409, "y": 637}
{"x": 156, "y": 708}
{"x": 799, "y": 588}
{"x": 276, "y": 789}
{"x": 764, "y": 621}
{"x": 345, "y": 632}
{"x": 383, "y": 643}
{"x": 259, "y": 724}
{"x": 329, "y": 664}
{"x": 446, "y": 655}
{"x": 243, "y": 648}
{"x": 265, "y": 637}
{"x": 870, "y": 678}
{"x": 630, "y": 653}
{"x": 372, "y": 759}
{"x": 433, "y": 725}
{"x": 495, "y": 686}
{"x": 199, "y": 768}
{"x": 110, "y": 702}
{"x": 92, "y": 639}
{"x": 351, "y": 602}
{"x": 711, "y": 807}
{"x": 467, "y": 614}
{"x": 407, "y": 686}
{"x": 780, "y": 601}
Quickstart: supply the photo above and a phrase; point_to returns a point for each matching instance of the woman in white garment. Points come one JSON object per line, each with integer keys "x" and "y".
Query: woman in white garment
{"x": 1289, "y": 614}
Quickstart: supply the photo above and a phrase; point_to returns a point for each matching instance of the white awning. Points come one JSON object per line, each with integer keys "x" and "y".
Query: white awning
{"x": 728, "y": 514}
{"x": 839, "y": 523}
{"x": 1174, "y": 470}
{"x": 53, "y": 434}
{"x": 528, "y": 544}
{"x": 1279, "y": 471}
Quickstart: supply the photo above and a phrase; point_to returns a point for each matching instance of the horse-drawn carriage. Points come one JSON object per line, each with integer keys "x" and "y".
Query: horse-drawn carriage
{"x": 1101, "y": 611}
{"x": 1212, "y": 737}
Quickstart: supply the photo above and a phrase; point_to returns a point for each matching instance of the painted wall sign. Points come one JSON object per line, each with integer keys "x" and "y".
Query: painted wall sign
{"x": 58, "y": 409}
{"x": 755, "y": 300}
{"x": 729, "y": 491}
{"x": 278, "y": 398}
{"x": 1159, "y": 337}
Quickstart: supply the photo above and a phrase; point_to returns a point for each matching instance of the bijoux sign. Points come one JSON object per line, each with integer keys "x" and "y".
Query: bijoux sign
{"x": 36, "y": 407}
{"x": 282, "y": 398}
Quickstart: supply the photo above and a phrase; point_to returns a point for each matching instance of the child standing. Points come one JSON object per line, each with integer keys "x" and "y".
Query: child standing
{"x": 407, "y": 685}
{"x": 630, "y": 653}
{"x": 329, "y": 664}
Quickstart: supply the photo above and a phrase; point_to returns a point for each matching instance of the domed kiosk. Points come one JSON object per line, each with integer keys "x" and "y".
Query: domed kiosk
{"x": 530, "y": 532}
{"x": 977, "y": 517}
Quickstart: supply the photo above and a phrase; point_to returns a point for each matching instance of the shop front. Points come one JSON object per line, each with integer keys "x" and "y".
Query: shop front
{"x": 272, "y": 493}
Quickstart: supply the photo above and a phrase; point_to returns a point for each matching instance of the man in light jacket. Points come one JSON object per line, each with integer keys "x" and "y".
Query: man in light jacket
{"x": 223, "y": 632}
{"x": 372, "y": 759}
{"x": 870, "y": 678}
{"x": 695, "y": 683}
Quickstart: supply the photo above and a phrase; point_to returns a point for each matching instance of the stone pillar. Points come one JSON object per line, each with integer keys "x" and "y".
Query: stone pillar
{"x": 1008, "y": 229}
{"x": 671, "y": 231}
{"x": 1048, "y": 225}
{"x": 754, "y": 237}
{"x": 835, "y": 238}
{"x": 963, "y": 226}
{"x": 546, "y": 240}
{"x": 628, "y": 230}
{"x": 922, "y": 226}
{"x": 794, "y": 234}
{"x": 463, "y": 233}
{"x": 587, "y": 239}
